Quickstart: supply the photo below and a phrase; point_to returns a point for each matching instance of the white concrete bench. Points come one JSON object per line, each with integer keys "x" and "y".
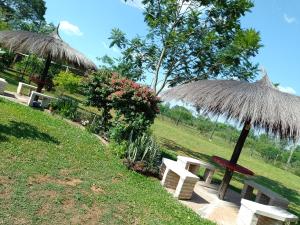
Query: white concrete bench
{"x": 21, "y": 85}
{"x": 264, "y": 195}
{"x": 252, "y": 213}
{"x": 3, "y": 84}
{"x": 45, "y": 99}
{"x": 177, "y": 178}
{"x": 193, "y": 166}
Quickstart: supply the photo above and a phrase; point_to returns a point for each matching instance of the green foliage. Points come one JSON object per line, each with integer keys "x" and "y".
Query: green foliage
{"x": 118, "y": 149}
{"x": 134, "y": 106}
{"x": 6, "y": 59}
{"x": 144, "y": 154}
{"x": 31, "y": 65}
{"x": 67, "y": 81}
{"x": 20, "y": 14}
{"x": 188, "y": 40}
{"x": 65, "y": 107}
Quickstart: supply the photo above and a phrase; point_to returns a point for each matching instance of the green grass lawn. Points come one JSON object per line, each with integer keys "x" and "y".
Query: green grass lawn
{"x": 186, "y": 141}
{"x": 54, "y": 173}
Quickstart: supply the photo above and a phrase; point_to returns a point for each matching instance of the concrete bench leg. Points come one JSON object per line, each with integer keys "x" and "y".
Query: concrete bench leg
{"x": 19, "y": 89}
{"x": 193, "y": 168}
{"x": 170, "y": 179}
{"x": 246, "y": 217}
{"x": 208, "y": 175}
{"x": 247, "y": 192}
{"x": 184, "y": 189}
{"x": 31, "y": 99}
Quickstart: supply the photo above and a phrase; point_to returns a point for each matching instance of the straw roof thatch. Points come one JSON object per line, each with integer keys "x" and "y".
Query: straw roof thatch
{"x": 260, "y": 102}
{"x": 44, "y": 45}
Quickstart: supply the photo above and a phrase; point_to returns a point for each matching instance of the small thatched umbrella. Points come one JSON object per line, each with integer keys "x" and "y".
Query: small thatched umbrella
{"x": 51, "y": 47}
{"x": 258, "y": 104}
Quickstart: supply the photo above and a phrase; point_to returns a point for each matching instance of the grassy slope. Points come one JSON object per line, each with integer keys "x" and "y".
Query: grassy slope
{"x": 54, "y": 173}
{"x": 183, "y": 140}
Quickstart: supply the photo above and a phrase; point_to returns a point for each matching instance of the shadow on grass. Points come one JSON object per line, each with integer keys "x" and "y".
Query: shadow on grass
{"x": 23, "y": 130}
{"x": 279, "y": 188}
{"x": 9, "y": 77}
{"x": 174, "y": 147}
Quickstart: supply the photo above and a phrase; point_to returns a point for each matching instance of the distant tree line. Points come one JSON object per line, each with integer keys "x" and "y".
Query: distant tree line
{"x": 270, "y": 149}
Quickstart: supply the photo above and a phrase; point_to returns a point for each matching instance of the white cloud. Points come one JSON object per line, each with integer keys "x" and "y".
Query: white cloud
{"x": 134, "y": 3}
{"x": 70, "y": 28}
{"x": 289, "y": 90}
{"x": 289, "y": 19}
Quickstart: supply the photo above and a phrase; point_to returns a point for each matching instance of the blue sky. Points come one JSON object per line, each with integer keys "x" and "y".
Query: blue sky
{"x": 86, "y": 26}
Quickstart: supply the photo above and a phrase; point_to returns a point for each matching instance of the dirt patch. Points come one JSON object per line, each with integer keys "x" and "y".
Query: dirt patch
{"x": 91, "y": 217}
{"x": 5, "y": 187}
{"x": 47, "y": 179}
{"x": 97, "y": 190}
{"x": 44, "y": 210}
{"x": 5, "y": 180}
{"x": 69, "y": 181}
{"x": 68, "y": 204}
{"x": 49, "y": 194}
{"x": 67, "y": 172}
{"x": 117, "y": 178}
{"x": 21, "y": 220}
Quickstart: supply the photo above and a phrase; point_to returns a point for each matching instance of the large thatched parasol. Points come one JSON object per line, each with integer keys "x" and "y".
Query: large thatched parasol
{"x": 51, "y": 47}
{"x": 257, "y": 104}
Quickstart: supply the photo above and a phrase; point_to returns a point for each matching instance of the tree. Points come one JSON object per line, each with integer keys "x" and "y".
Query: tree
{"x": 23, "y": 14}
{"x": 189, "y": 40}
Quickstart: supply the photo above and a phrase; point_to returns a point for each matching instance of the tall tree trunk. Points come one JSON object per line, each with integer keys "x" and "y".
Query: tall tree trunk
{"x": 156, "y": 74}
{"x": 44, "y": 75}
{"x": 234, "y": 158}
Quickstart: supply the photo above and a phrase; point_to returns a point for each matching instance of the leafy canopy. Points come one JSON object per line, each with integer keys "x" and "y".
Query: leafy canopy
{"x": 188, "y": 40}
{"x": 24, "y": 15}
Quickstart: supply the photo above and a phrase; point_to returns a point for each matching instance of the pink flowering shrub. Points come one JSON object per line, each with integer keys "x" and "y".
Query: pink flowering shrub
{"x": 126, "y": 106}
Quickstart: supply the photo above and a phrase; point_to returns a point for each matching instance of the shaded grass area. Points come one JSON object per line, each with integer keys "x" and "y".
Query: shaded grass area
{"x": 181, "y": 140}
{"x": 54, "y": 173}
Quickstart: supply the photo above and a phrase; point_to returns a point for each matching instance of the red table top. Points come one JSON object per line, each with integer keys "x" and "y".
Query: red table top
{"x": 233, "y": 167}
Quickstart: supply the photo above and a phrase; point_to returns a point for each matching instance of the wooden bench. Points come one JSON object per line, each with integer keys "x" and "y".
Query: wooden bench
{"x": 45, "y": 99}
{"x": 193, "y": 166}
{"x": 3, "y": 84}
{"x": 177, "y": 178}
{"x": 264, "y": 195}
{"x": 252, "y": 213}
{"x": 21, "y": 85}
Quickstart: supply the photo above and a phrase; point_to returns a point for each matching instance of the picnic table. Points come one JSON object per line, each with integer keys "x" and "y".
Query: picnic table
{"x": 231, "y": 166}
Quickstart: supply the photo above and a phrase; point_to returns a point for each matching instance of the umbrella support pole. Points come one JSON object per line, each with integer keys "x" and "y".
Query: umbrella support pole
{"x": 234, "y": 158}
{"x": 44, "y": 74}
{"x": 225, "y": 184}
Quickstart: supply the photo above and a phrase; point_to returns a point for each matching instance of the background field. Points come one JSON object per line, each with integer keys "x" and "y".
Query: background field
{"x": 182, "y": 140}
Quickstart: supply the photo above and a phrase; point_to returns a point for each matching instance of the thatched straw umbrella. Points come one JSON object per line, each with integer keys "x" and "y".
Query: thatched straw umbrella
{"x": 51, "y": 47}
{"x": 259, "y": 105}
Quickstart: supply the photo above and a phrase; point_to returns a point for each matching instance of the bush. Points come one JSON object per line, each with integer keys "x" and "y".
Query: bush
{"x": 67, "y": 81}
{"x": 134, "y": 106}
{"x": 143, "y": 155}
{"x": 6, "y": 60}
{"x": 118, "y": 149}
{"x": 65, "y": 107}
